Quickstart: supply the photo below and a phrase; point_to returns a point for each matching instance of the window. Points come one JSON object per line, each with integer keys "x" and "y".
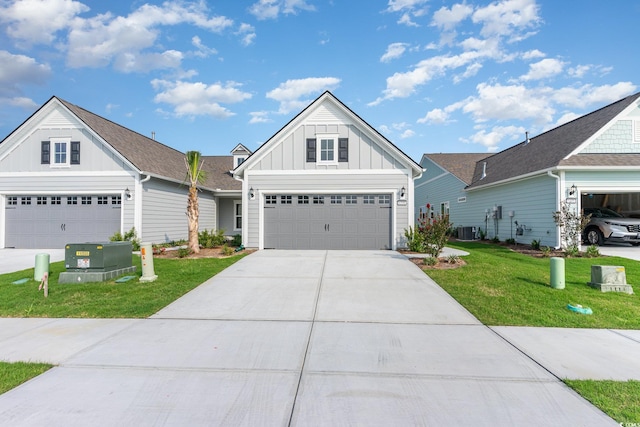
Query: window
{"x": 239, "y": 161}
{"x": 116, "y": 200}
{"x": 237, "y": 215}
{"x": 636, "y": 131}
{"x": 55, "y": 200}
{"x": 41, "y": 200}
{"x": 271, "y": 200}
{"x": 285, "y": 200}
{"x": 369, "y": 200}
{"x": 351, "y": 200}
{"x": 60, "y": 153}
{"x": 12, "y": 200}
{"x": 72, "y": 200}
{"x": 86, "y": 200}
{"x": 318, "y": 200}
{"x": 25, "y": 201}
{"x": 384, "y": 199}
{"x": 327, "y": 150}
{"x": 444, "y": 208}
{"x": 103, "y": 200}
{"x": 336, "y": 200}
{"x": 303, "y": 200}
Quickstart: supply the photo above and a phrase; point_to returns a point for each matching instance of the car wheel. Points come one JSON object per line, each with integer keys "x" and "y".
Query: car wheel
{"x": 635, "y": 244}
{"x": 595, "y": 237}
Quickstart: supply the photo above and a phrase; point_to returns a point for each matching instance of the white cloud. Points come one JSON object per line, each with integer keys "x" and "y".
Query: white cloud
{"x": 18, "y": 70}
{"x": 447, "y": 19}
{"x": 259, "y": 117}
{"x": 588, "y": 95}
{"x": 579, "y": 71}
{"x": 437, "y": 116}
{"x": 38, "y": 21}
{"x": 407, "y": 9}
{"x": 198, "y": 99}
{"x": 548, "y": 67}
{"x": 271, "y": 9}
{"x": 471, "y": 71}
{"x": 407, "y": 134}
{"x": 512, "y": 18}
{"x": 492, "y": 139}
{"x": 247, "y": 34}
{"x": 533, "y": 54}
{"x": 19, "y": 102}
{"x": 128, "y": 42}
{"x": 394, "y": 51}
{"x": 289, "y": 93}
{"x": 202, "y": 50}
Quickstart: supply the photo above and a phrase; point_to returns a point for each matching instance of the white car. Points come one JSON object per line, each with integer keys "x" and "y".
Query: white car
{"x": 607, "y": 225}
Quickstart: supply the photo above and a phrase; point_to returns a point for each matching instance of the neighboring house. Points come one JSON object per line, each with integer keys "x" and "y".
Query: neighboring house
{"x": 591, "y": 161}
{"x": 68, "y": 175}
{"x": 327, "y": 180}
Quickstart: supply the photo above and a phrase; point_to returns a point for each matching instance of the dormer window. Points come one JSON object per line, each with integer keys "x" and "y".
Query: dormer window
{"x": 239, "y": 161}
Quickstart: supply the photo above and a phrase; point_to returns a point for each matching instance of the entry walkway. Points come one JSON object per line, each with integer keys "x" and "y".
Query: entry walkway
{"x": 292, "y": 338}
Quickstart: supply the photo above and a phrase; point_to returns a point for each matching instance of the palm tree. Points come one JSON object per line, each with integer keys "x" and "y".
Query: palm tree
{"x": 195, "y": 175}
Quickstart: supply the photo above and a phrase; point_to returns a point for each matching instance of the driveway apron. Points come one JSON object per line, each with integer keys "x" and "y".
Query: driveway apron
{"x": 318, "y": 338}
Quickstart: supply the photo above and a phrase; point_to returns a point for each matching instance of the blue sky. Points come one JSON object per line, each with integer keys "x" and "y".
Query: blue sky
{"x": 430, "y": 75}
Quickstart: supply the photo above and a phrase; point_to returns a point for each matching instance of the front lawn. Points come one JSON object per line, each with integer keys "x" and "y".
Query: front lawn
{"x": 14, "y": 374}
{"x": 132, "y": 299}
{"x": 506, "y": 288}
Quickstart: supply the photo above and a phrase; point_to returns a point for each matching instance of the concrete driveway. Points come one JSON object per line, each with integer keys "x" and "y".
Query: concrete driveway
{"x": 319, "y": 338}
{"x": 20, "y": 259}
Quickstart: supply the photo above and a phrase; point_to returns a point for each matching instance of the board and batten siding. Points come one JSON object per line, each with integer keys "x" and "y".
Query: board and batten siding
{"x": 327, "y": 183}
{"x": 290, "y": 153}
{"x": 164, "y": 207}
{"x": 94, "y": 155}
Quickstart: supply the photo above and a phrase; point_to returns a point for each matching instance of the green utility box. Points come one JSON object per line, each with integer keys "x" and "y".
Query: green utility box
{"x": 97, "y": 257}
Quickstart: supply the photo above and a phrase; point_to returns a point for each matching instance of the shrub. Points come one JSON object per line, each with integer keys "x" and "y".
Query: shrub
{"x": 495, "y": 239}
{"x": 431, "y": 261}
{"x": 593, "y": 251}
{"x": 183, "y": 252}
{"x": 535, "y": 245}
{"x": 453, "y": 259}
{"x": 482, "y": 233}
{"x": 237, "y": 240}
{"x": 546, "y": 251}
{"x": 511, "y": 241}
{"x": 129, "y": 236}
{"x": 211, "y": 239}
{"x": 226, "y": 250}
{"x": 158, "y": 250}
{"x": 571, "y": 251}
{"x": 415, "y": 240}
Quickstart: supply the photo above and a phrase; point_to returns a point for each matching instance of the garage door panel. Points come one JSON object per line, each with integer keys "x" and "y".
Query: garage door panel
{"x": 52, "y": 222}
{"x": 327, "y": 222}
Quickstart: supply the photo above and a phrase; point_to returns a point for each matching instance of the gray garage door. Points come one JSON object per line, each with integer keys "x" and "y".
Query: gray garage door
{"x": 42, "y": 222}
{"x": 353, "y": 221}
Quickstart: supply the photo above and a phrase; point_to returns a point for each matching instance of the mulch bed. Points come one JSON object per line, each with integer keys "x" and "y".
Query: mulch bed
{"x": 204, "y": 253}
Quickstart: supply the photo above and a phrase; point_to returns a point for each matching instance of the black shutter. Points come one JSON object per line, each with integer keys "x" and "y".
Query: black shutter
{"x": 343, "y": 149}
{"x": 311, "y": 150}
{"x": 45, "y": 152}
{"x": 75, "y": 152}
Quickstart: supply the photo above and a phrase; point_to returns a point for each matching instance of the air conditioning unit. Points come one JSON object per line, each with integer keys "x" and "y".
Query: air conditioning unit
{"x": 466, "y": 233}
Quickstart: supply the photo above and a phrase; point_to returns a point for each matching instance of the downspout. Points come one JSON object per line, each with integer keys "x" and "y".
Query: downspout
{"x": 557, "y": 178}
{"x": 137, "y": 215}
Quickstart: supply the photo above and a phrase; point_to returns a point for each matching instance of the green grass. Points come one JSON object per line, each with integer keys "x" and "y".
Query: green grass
{"x": 503, "y": 287}
{"x": 14, "y": 374}
{"x": 619, "y": 400}
{"x": 506, "y": 288}
{"x": 132, "y": 299}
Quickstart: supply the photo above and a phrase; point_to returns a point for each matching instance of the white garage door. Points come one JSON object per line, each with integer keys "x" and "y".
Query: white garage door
{"x": 43, "y": 222}
{"x": 353, "y": 221}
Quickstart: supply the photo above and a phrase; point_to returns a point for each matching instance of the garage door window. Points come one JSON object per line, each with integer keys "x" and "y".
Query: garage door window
{"x": 369, "y": 200}
{"x": 336, "y": 200}
{"x": 55, "y": 200}
{"x": 12, "y": 200}
{"x": 384, "y": 199}
{"x": 351, "y": 200}
{"x": 116, "y": 200}
{"x": 41, "y": 200}
{"x": 285, "y": 200}
{"x": 303, "y": 200}
{"x": 271, "y": 200}
{"x": 103, "y": 200}
{"x": 26, "y": 201}
{"x": 318, "y": 200}
{"x": 72, "y": 200}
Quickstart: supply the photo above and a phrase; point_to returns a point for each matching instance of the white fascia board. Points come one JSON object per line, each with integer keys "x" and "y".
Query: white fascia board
{"x": 63, "y": 173}
{"x": 604, "y": 128}
{"x": 329, "y": 172}
{"x": 514, "y": 179}
{"x": 435, "y": 178}
{"x": 599, "y": 168}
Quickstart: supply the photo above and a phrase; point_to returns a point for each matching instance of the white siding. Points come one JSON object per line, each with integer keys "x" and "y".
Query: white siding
{"x": 164, "y": 206}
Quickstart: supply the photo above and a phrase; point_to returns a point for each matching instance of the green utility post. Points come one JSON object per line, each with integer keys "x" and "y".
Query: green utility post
{"x": 557, "y": 273}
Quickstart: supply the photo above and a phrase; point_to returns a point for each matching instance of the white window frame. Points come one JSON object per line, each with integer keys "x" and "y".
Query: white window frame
{"x": 66, "y": 142}
{"x": 636, "y": 131}
{"x": 327, "y": 137}
{"x": 237, "y": 206}
{"x": 444, "y": 208}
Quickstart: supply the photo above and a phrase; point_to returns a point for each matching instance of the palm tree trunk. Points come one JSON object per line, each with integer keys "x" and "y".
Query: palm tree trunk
{"x": 192, "y": 215}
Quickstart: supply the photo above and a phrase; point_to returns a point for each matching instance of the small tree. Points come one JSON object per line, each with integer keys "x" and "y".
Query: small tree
{"x": 195, "y": 175}
{"x": 571, "y": 223}
{"x": 430, "y": 235}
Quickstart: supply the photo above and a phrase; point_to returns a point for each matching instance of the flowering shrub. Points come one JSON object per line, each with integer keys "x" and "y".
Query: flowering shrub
{"x": 430, "y": 235}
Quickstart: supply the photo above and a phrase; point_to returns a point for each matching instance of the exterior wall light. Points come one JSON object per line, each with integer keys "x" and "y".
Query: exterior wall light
{"x": 573, "y": 190}
{"x": 252, "y": 194}
{"x": 127, "y": 194}
{"x": 402, "y": 192}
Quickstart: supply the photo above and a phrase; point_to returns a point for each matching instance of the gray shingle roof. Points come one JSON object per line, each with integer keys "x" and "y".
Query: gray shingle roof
{"x": 548, "y": 150}
{"x": 151, "y": 156}
{"x": 462, "y": 165}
